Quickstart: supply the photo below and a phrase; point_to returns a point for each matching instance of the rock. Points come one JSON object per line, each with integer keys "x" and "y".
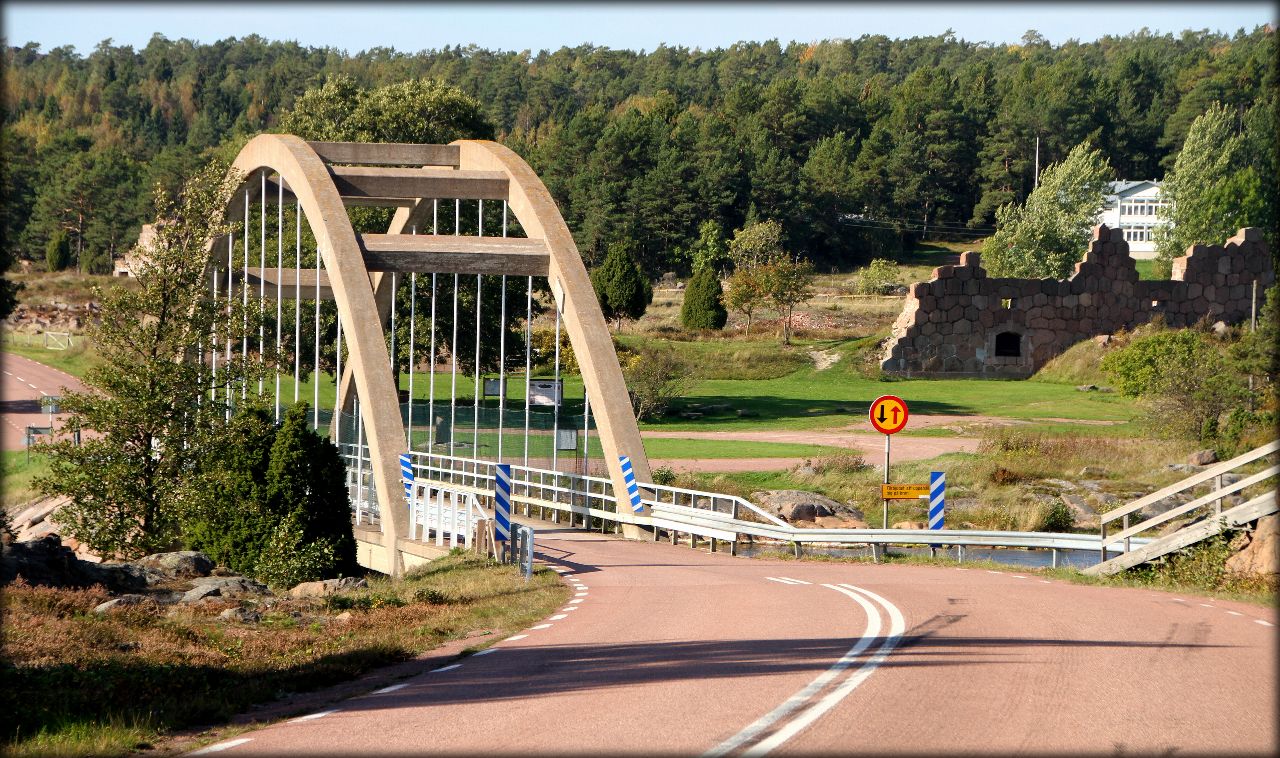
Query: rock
{"x": 326, "y": 587}
{"x": 1087, "y": 387}
{"x": 127, "y": 577}
{"x": 1061, "y": 484}
{"x": 793, "y": 505}
{"x": 840, "y": 522}
{"x": 46, "y": 562}
{"x": 233, "y": 586}
{"x": 124, "y": 601}
{"x": 242, "y": 615}
{"x": 1091, "y": 485}
{"x": 1220, "y": 329}
{"x": 1261, "y": 556}
{"x": 806, "y": 471}
{"x": 1160, "y": 506}
{"x": 909, "y": 525}
{"x": 1094, "y": 472}
{"x": 200, "y": 592}
{"x": 1184, "y": 467}
{"x": 184, "y": 564}
{"x": 1083, "y": 514}
{"x": 1202, "y": 458}
{"x": 343, "y": 617}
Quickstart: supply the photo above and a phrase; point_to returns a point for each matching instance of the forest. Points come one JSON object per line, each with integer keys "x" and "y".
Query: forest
{"x": 857, "y": 147}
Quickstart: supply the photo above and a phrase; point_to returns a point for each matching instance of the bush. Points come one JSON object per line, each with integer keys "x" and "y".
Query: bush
{"x": 664, "y": 475}
{"x": 57, "y": 251}
{"x": 272, "y": 503}
{"x": 655, "y": 377}
{"x": 1059, "y": 518}
{"x": 877, "y": 278}
{"x": 703, "y": 306}
{"x": 622, "y": 290}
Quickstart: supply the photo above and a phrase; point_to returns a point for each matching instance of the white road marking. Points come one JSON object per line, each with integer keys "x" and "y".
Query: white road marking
{"x": 1045, "y": 581}
{"x": 517, "y": 637}
{"x": 446, "y": 668}
{"x": 312, "y": 716}
{"x": 786, "y": 580}
{"x": 18, "y": 378}
{"x": 539, "y": 626}
{"x": 1179, "y": 600}
{"x": 579, "y": 600}
{"x": 1205, "y": 605}
{"x": 989, "y": 571}
{"x": 1235, "y": 613}
{"x": 581, "y": 594}
{"x": 1018, "y": 576}
{"x": 32, "y": 386}
{"x": 1264, "y": 623}
{"x": 486, "y": 651}
{"x": 570, "y": 608}
{"x": 7, "y": 374}
{"x": 392, "y": 688}
{"x": 219, "y": 747}
{"x": 559, "y": 616}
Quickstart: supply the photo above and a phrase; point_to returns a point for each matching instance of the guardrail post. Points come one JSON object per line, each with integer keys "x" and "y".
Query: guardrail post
{"x": 795, "y": 547}
{"x": 1125, "y": 524}
{"x": 1217, "y": 504}
{"x": 959, "y": 553}
{"x": 1055, "y": 556}
{"x": 1102, "y": 544}
{"x": 733, "y": 544}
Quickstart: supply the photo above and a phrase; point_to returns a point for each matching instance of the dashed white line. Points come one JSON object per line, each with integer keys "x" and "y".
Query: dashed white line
{"x": 486, "y": 651}
{"x": 540, "y": 626}
{"x": 559, "y": 616}
{"x": 1018, "y": 576}
{"x": 1235, "y": 613}
{"x": 581, "y": 594}
{"x": 18, "y": 378}
{"x": 785, "y": 580}
{"x": 1205, "y": 605}
{"x": 1045, "y": 581}
{"x": 446, "y": 668}
{"x": 1264, "y": 623}
{"x": 312, "y": 716}
{"x": 32, "y": 386}
{"x": 579, "y": 600}
{"x": 989, "y": 571}
{"x": 516, "y": 637}
{"x": 570, "y": 608}
{"x": 219, "y": 747}
{"x": 392, "y": 688}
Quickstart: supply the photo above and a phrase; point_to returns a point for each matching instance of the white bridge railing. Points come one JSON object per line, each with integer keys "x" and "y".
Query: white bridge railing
{"x": 697, "y": 514}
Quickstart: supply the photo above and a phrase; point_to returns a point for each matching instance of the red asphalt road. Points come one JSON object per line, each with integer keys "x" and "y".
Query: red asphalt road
{"x": 672, "y": 650}
{"x": 24, "y": 383}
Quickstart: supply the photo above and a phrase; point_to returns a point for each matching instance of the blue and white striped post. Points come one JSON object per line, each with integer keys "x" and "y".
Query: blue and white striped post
{"x": 633, "y": 489}
{"x": 406, "y": 474}
{"x": 937, "y": 498}
{"x": 502, "y": 502}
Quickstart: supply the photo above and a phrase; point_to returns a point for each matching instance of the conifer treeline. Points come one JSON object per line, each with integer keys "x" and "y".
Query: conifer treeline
{"x": 853, "y": 145}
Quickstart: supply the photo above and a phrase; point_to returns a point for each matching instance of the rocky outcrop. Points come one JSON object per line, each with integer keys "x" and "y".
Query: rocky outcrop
{"x": 1261, "y": 556}
{"x": 326, "y": 587}
{"x": 184, "y": 564}
{"x": 798, "y": 505}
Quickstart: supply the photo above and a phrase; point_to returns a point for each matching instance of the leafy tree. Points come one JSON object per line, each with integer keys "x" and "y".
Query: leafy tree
{"x": 703, "y": 306}
{"x": 788, "y": 283}
{"x": 1047, "y": 236}
{"x": 655, "y": 377}
{"x": 878, "y": 276}
{"x": 756, "y": 244}
{"x": 1219, "y": 183}
{"x": 709, "y": 251}
{"x": 622, "y": 290}
{"x": 57, "y": 251}
{"x": 149, "y": 400}
{"x": 748, "y": 290}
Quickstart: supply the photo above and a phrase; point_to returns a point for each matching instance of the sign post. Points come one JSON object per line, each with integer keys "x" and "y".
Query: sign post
{"x": 888, "y": 415}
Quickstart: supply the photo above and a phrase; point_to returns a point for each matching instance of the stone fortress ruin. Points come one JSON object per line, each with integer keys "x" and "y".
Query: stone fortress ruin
{"x": 963, "y": 323}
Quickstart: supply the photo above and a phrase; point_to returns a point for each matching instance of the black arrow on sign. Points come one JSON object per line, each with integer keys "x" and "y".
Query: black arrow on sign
{"x": 881, "y": 413}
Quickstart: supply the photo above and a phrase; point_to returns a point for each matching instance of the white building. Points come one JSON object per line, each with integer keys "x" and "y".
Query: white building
{"x": 1133, "y": 206}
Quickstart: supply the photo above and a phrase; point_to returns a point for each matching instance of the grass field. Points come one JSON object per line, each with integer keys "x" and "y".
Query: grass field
{"x": 18, "y": 473}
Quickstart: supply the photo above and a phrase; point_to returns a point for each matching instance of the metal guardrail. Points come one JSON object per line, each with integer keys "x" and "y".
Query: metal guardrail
{"x": 710, "y": 515}
{"x": 1215, "y": 497}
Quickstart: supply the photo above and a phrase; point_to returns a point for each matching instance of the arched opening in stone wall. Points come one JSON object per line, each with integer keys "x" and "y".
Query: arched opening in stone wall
{"x": 1008, "y": 345}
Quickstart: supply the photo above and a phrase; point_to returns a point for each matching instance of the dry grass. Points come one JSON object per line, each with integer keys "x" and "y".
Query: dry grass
{"x": 75, "y": 678}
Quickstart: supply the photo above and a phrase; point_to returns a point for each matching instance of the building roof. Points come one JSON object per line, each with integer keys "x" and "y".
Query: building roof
{"x": 1129, "y": 186}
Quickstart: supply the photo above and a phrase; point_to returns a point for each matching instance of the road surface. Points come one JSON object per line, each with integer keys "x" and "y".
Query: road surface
{"x": 24, "y": 382}
{"x": 671, "y": 650}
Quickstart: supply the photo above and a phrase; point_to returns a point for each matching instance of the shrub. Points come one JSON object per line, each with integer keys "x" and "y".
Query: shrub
{"x": 703, "y": 306}
{"x": 655, "y": 377}
{"x": 877, "y": 278}
{"x": 622, "y": 290}
{"x": 1059, "y": 518}
{"x": 57, "y": 251}
{"x": 664, "y": 475}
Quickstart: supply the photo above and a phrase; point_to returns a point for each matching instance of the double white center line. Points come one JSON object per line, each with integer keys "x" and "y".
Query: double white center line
{"x": 806, "y": 706}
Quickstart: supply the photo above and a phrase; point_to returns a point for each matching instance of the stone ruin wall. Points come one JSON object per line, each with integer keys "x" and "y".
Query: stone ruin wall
{"x": 962, "y": 323}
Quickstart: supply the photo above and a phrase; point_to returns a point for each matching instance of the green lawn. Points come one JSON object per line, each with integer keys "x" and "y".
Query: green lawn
{"x": 18, "y": 473}
{"x": 75, "y": 361}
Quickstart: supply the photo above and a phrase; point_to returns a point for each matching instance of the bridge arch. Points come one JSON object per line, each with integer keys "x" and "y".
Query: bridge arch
{"x": 326, "y": 178}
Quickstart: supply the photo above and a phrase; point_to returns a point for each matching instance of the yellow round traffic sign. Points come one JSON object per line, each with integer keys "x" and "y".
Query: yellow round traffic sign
{"x": 888, "y": 414}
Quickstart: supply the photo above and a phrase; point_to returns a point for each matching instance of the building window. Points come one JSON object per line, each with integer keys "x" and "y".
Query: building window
{"x": 1008, "y": 345}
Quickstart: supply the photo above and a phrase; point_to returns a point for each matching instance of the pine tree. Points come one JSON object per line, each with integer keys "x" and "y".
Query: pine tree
{"x": 622, "y": 290}
{"x": 703, "y": 306}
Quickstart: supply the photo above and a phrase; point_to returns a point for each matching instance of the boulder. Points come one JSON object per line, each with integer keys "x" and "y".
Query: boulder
{"x": 184, "y": 564}
{"x": 200, "y": 592}
{"x": 124, "y": 601}
{"x": 326, "y": 587}
{"x": 45, "y": 561}
{"x": 243, "y": 615}
{"x": 797, "y": 505}
{"x": 1083, "y": 514}
{"x": 1261, "y": 557}
{"x": 1093, "y": 472}
{"x": 1202, "y": 458}
{"x": 126, "y": 577}
{"x": 909, "y": 525}
{"x": 840, "y": 522}
{"x": 233, "y": 586}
